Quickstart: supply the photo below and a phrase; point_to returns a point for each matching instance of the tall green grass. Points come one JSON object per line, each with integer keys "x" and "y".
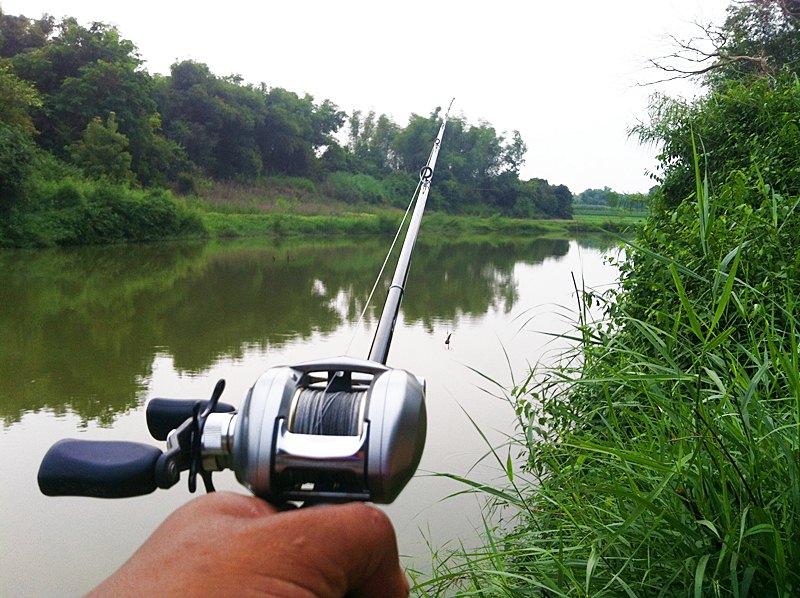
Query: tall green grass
{"x": 661, "y": 457}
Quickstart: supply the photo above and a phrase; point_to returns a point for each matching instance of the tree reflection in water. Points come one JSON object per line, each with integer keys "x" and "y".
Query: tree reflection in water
{"x": 81, "y": 328}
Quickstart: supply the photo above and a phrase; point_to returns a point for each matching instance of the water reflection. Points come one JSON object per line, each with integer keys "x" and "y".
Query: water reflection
{"x": 80, "y": 328}
{"x": 92, "y": 333}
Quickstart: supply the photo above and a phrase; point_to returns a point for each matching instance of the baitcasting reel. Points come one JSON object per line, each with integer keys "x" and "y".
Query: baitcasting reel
{"x": 322, "y": 431}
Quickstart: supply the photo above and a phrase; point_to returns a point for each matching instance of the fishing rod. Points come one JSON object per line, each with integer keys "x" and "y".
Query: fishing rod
{"x": 331, "y": 430}
{"x": 383, "y": 335}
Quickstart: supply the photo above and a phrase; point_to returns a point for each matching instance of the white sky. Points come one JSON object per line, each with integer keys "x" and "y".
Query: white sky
{"x": 563, "y": 73}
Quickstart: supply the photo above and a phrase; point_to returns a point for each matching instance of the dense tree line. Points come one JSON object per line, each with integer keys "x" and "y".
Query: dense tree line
{"x": 81, "y": 96}
{"x": 607, "y": 197}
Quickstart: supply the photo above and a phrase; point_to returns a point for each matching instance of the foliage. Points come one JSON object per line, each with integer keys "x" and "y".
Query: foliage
{"x": 372, "y": 141}
{"x": 356, "y": 187}
{"x": 555, "y": 201}
{"x": 16, "y": 157}
{"x": 758, "y": 38}
{"x": 661, "y": 456}
{"x": 233, "y": 130}
{"x": 750, "y": 129}
{"x": 612, "y": 199}
{"x": 101, "y": 151}
{"x": 17, "y": 100}
{"x": 18, "y": 33}
{"x": 86, "y": 73}
{"x": 85, "y": 95}
{"x": 72, "y": 211}
{"x": 481, "y": 173}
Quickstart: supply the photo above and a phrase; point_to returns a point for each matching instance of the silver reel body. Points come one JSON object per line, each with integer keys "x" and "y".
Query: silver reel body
{"x": 323, "y": 431}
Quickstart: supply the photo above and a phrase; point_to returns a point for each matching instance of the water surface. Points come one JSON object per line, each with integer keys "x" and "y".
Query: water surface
{"x": 89, "y": 335}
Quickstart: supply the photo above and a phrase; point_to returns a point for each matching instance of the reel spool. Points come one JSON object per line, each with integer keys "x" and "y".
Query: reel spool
{"x": 326, "y": 430}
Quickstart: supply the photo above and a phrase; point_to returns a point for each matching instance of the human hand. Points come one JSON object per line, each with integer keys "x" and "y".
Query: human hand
{"x": 229, "y": 544}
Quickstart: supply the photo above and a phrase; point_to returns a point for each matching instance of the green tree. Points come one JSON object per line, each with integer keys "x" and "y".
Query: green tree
{"x": 371, "y": 142}
{"x": 412, "y": 144}
{"x": 212, "y": 118}
{"x": 594, "y": 197}
{"x": 234, "y": 130}
{"x": 82, "y": 73}
{"x": 758, "y": 38}
{"x": 18, "y": 33}
{"x": 295, "y": 130}
{"x": 747, "y": 127}
{"x": 549, "y": 201}
{"x": 17, "y": 100}
{"x": 514, "y": 153}
{"x": 327, "y": 119}
{"x": 101, "y": 151}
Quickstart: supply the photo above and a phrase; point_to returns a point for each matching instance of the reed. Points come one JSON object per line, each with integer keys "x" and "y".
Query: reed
{"x": 660, "y": 457}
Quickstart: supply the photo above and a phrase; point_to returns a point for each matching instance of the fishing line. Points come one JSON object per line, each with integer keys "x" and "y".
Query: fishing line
{"x": 339, "y": 413}
{"x": 313, "y": 415}
{"x": 383, "y": 267}
{"x": 383, "y": 335}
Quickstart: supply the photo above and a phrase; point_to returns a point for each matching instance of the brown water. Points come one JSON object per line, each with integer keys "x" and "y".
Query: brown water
{"x": 88, "y": 336}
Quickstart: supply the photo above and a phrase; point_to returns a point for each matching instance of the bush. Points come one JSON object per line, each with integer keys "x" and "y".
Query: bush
{"x": 185, "y": 184}
{"x": 663, "y": 456}
{"x": 746, "y": 128}
{"x": 400, "y": 187}
{"x": 354, "y": 188}
{"x": 80, "y": 212}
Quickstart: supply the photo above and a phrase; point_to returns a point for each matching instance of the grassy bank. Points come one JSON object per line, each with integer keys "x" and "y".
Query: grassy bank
{"x": 75, "y": 211}
{"x": 662, "y": 456}
{"x": 286, "y": 206}
{"x": 65, "y": 209}
{"x": 275, "y": 223}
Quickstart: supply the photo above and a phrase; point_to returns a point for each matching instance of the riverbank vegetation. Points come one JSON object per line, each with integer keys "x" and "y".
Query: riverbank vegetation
{"x": 89, "y": 139}
{"x": 661, "y": 456}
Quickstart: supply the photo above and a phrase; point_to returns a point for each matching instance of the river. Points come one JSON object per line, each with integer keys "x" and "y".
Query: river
{"x": 89, "y": 335}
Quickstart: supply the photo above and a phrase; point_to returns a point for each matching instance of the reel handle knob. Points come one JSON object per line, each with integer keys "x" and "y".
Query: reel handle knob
{"x": 103, "y": 469}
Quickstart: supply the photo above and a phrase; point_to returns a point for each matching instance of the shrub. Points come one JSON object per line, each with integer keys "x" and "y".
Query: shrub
{"x": 662, "y": 457}
{"x": 80, "y": 212}
{"x": 354, "y": 188}
{"x": 399, "y": 186}
{"x": 185, "y": 184}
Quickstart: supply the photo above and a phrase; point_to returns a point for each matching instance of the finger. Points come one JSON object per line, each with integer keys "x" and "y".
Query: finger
{"x": 345, "y": 548}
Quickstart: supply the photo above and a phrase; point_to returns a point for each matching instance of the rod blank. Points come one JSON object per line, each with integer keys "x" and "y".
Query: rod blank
{"x": 383, "y": 335}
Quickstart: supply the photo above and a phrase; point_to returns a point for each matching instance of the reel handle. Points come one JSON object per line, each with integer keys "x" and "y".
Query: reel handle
{"x": 165, "y": 415}
{"x": 103, "y": 469}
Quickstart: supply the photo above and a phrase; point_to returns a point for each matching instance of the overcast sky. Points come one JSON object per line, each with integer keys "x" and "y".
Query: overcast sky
{"x": 564, "y": 74}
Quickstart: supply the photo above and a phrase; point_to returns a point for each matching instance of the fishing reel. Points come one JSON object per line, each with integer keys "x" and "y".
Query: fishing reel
{"x": 322, "y": 431}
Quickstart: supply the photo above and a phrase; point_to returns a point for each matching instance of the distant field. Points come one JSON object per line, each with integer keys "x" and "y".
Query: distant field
{"x": 612, "y": 219}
